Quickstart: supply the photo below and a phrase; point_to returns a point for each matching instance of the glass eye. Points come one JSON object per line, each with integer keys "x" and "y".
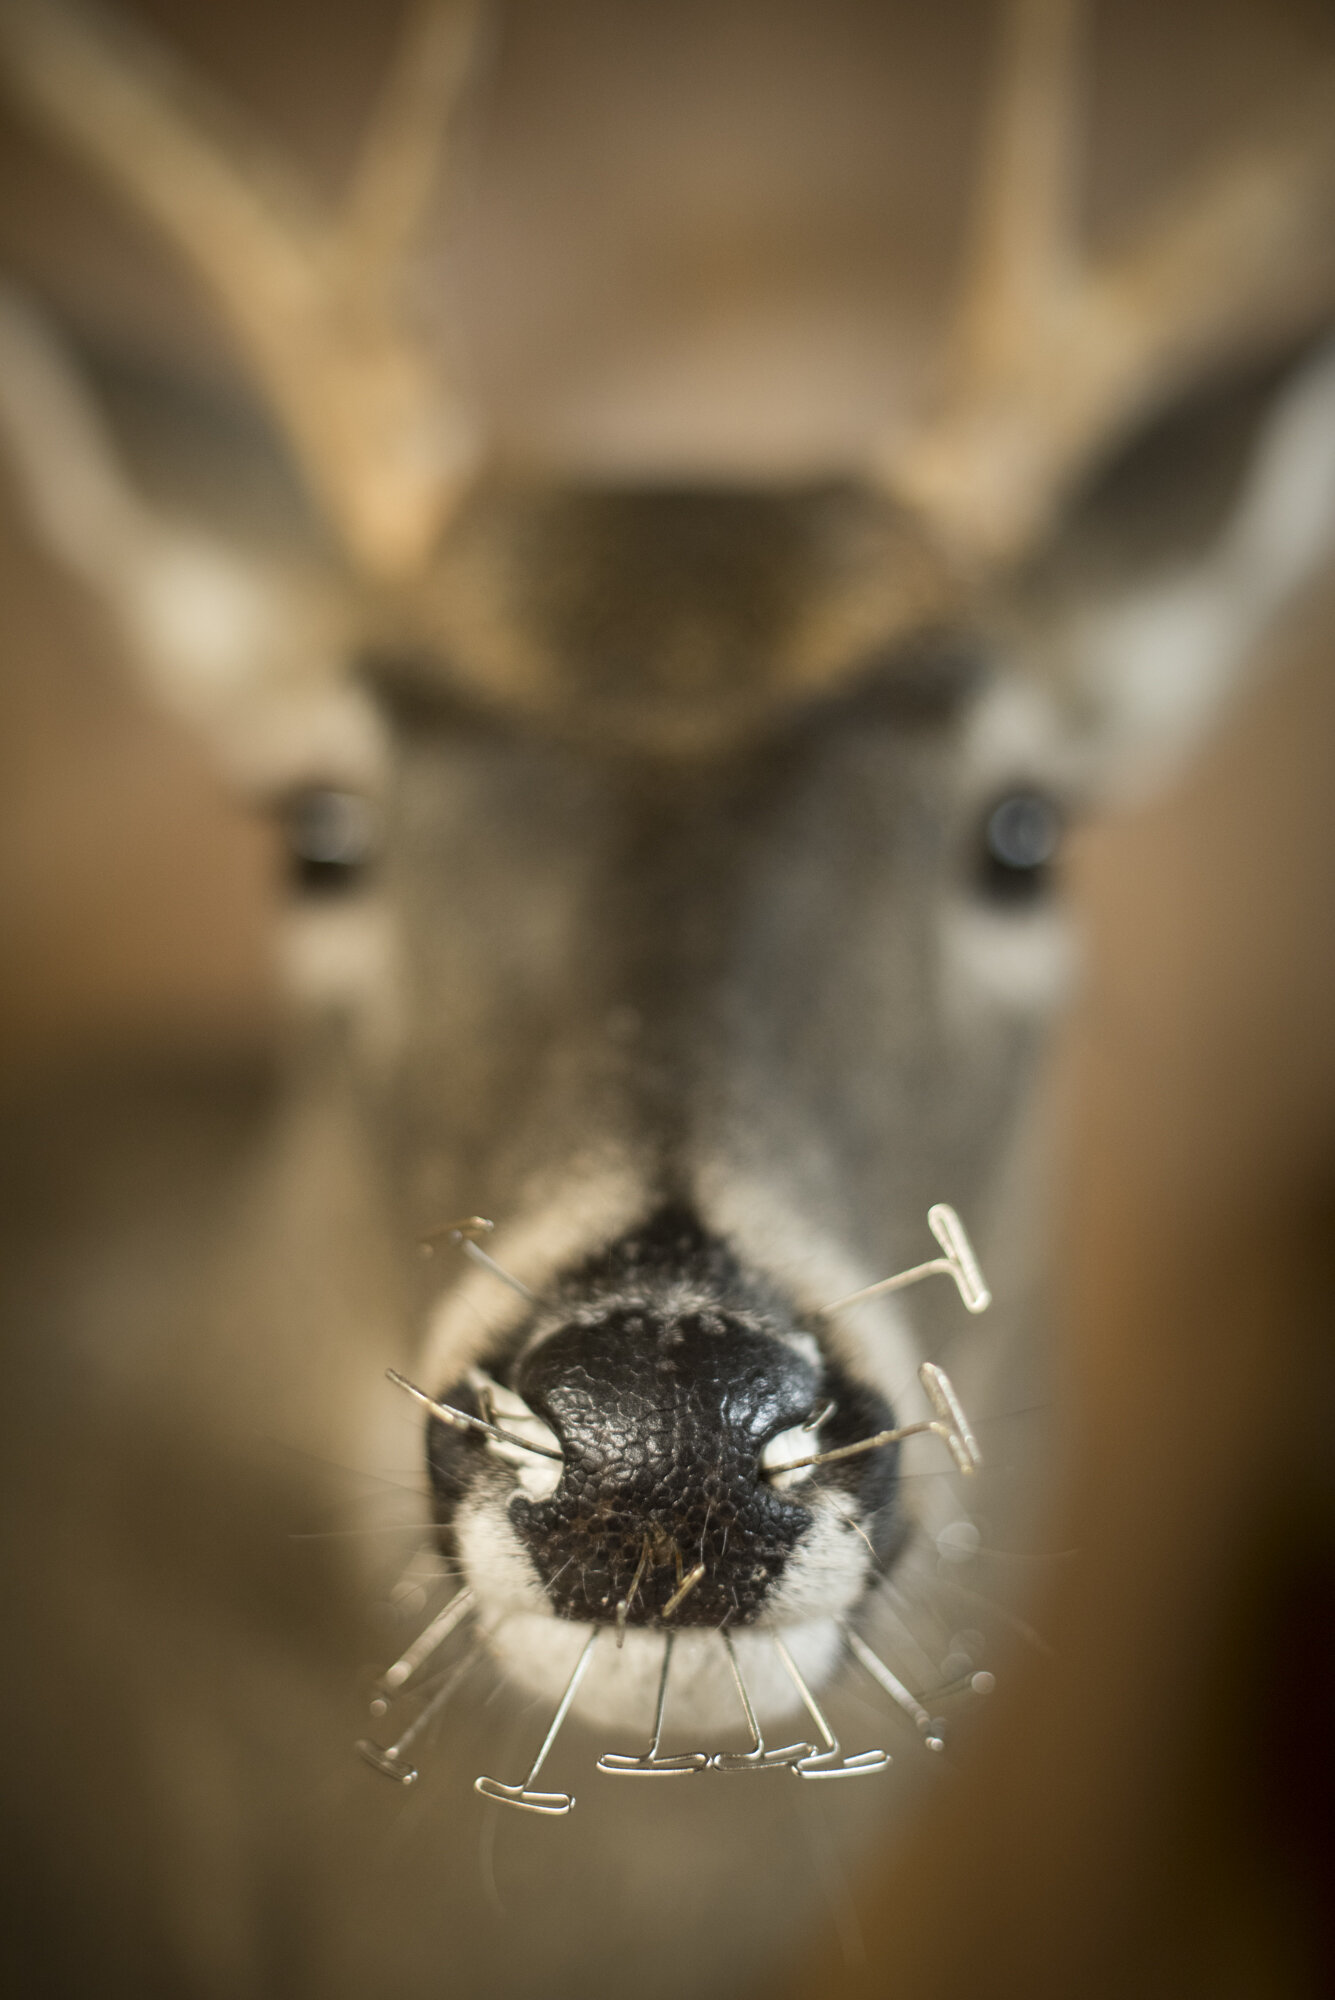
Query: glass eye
{"x": 330, "y": 836}
{"x": 1021, "y": 834}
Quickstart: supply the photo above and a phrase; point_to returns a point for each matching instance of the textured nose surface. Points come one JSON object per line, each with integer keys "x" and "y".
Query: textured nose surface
{"x": 662, "y": 1416}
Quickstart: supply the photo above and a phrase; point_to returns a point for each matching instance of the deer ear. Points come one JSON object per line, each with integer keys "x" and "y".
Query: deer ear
{"x": 1148, "y": 665}
{"x": 247, "y": 651}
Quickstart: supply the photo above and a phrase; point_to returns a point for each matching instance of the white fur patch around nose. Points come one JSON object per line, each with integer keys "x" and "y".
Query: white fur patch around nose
{"x": 621, "y": 1688}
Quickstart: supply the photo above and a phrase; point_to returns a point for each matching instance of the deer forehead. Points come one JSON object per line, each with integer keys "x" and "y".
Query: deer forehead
{"x": 678, "y": 621}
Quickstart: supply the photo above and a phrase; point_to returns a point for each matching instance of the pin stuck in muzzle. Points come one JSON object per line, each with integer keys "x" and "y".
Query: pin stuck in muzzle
{"x": 660, "y": 1446}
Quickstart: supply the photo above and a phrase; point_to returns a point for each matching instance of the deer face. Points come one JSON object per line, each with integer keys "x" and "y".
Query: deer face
{"x": 695, "y": 847}
{"x": 706, "y": 978}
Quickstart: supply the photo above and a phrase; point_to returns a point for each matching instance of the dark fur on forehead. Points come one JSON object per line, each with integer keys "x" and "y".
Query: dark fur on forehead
{"x": 664, "y": 1370}
{"x": 679, "y": 621}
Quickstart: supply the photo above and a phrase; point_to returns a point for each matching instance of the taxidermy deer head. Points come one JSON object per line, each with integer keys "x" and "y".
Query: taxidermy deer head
{"x": 674, "y": 865}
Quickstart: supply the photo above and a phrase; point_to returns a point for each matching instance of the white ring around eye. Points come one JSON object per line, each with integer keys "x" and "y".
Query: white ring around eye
{"x": 338, "y": 955}
{"x": 1020, "y": 957}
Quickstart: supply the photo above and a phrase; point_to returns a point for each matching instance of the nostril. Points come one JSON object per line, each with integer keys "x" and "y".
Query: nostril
{"x": 780, "y": 1459}
{"x": 479, "y": 1417}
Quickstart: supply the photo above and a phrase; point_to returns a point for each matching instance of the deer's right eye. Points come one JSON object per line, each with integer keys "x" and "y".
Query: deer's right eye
{"x": 1020, "y": 835}
{"x": 331, "y": 838}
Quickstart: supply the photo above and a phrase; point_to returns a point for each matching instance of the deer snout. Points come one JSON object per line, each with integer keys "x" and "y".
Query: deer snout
{"x": 661, "y": 1496}
{"x": 664, "y": 1506}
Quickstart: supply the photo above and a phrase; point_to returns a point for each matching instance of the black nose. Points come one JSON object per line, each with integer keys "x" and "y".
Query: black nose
{"x": 662, "y": 1416}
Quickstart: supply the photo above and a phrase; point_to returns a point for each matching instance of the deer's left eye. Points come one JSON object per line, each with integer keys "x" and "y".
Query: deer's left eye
{"x": 331, "y": 838}
{"x": 1019, "y": 838}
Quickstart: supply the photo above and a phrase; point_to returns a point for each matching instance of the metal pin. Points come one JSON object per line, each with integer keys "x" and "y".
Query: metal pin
{"x": 554, "y": 1804}
{"x": 829, "y": 1762}
{"x": 959, "y": 1262}
{"x": 955, "y": 1434}
{"x": 950, "y": 1233}
{"x": 464, "y": 1233}
{"x": 651, "y": 1765}
{"x": 757, "y": 1758}
{"x": 943, "y": 1399}
{"x": 461, "y": 1420}
{"x": 467, "y": 1225}
{"x": 970, "y": 1683}
{"x": 479, "y": 1256}
{"x": 930, "y": 1729}
{"x": 423, "y": 1646}
{"x": 683, "y": 1591}
{"x": 390, "y": 1762}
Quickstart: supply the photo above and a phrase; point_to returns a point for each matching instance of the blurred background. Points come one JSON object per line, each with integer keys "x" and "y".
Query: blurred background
{"x": 720, "y": 238}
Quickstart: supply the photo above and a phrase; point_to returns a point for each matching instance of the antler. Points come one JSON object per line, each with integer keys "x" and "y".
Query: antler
{"x": 1052, "y": 353}
{"x": 313, "y": 299}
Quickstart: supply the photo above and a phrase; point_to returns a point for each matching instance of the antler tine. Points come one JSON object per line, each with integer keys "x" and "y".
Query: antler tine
{"x": 313, "y": 300}
{"x": 399, "y": 169}
{"x": 963, "y": 467}
{"x": 1053, "y": 353}
{"x": 1023, "y": 257}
